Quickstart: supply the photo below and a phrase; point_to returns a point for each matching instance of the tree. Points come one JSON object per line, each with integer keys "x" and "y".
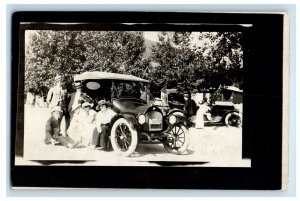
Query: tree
{"x": 221, "y": 54}
{"x": 48, "y": 53}
{"x": 175, "y": 58}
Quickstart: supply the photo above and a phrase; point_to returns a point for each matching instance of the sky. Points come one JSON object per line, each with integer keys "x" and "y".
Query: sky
{"x": 151, "y": 35}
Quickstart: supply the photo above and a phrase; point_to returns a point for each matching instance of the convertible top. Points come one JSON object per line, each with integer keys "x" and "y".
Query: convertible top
{"x": 107, "y": 76}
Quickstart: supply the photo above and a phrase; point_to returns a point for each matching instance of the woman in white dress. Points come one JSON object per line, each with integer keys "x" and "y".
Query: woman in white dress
{"x": 83, "y": 125}
{"x": 203, "y": 109}
{"x": 75, "y": 129}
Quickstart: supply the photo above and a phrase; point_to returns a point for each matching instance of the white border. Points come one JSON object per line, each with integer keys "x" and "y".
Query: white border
{"x": 110, "y": 192}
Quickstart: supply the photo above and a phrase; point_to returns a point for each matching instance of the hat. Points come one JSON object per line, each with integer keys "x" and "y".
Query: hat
{"x": 57, "y": 77}
{"x": 87, "y": 104}
{"x": 56, "y": 109}
{"x": 102, "y": 102}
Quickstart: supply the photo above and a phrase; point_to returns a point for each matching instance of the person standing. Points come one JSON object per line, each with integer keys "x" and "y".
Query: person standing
{"x": 189, "y": 105}
{"x": 203, "y": 110}
{"x": 55, "y": 94}
{"x": 52, "y": 130}
{"x": 30, "y": 97}
{"x": 103, "y": 119}
{"x": 75, "y": 100}
{"x": 164, "y": 96}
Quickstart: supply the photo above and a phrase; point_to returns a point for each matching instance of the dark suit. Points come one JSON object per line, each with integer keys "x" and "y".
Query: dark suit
{"x": 190, "y": 108}
{"x": 53, "y": 132}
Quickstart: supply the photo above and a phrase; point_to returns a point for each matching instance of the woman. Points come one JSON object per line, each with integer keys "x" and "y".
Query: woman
{"x": 83, "y": 124}
{"x": 75, "y": 129}
{"x": 203, "y": 109}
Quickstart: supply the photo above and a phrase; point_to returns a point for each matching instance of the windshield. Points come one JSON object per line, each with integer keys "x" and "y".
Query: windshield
{"x": 130, "y": 90}
{"x": 176, "y": 98}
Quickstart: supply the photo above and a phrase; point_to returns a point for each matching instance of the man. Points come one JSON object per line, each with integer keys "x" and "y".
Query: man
{"x": 55, "y": 94}
{"x": 189, "y": 106}
{"x": 52, "y": 131}
{"x": 103, "y": 119}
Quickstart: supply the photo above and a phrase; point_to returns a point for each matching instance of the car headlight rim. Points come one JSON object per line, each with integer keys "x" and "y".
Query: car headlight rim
{"x": 142, "y": 119}
{"x": 172, "y": 119}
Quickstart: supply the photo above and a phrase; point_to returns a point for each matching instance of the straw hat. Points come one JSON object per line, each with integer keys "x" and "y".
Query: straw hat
{"x": 102, "y": 102}
{"x": 56, "y": 109}
{"x": 87, "y": 104}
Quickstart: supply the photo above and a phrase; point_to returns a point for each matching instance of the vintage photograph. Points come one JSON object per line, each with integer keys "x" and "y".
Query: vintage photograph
{"x": 133, "y": 98}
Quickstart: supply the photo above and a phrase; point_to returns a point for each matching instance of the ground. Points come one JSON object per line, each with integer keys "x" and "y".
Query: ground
{"x": 217, "y": 146}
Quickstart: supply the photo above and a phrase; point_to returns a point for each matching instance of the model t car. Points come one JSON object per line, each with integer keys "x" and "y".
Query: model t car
{"x": 138, "y": 120}
{"x": 220, "y": 112}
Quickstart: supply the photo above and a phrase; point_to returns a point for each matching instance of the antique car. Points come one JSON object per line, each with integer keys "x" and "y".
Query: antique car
{"x": 138, "y": 120}
{"x": 223, "y": 114}
{"x": 220, "y": 113}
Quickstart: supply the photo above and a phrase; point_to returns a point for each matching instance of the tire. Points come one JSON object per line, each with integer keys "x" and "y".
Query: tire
{"x": 123, "y": 138}
{"x": 178, "y": 140}
{"x": 233, "y": 119}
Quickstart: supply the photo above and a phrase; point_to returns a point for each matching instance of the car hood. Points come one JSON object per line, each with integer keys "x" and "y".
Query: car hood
{"x": 133, "y": 106}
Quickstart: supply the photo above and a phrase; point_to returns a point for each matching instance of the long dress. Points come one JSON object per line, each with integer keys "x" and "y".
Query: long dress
{"x": 203, "y": 108}
{"x": 75, "y": 130}
{"x": 82, "y": 127}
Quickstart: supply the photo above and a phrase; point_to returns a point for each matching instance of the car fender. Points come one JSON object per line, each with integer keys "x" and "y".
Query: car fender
{"x": 179, "y": 115}
{"x": 176, "y": 112}
{"x": 129, "y": 117}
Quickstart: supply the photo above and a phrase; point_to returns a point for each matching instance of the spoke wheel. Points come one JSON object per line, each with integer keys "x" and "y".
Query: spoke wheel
{"x": 233, "y": 119}
{"x": 177, "y": 140}
{"x": 123, "y": 138}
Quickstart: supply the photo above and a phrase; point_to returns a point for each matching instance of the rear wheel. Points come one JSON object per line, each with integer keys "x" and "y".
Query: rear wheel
{"x": 233, "y": 119}
{"x": 123, "y": 138}
{"x": 177, "y": 140}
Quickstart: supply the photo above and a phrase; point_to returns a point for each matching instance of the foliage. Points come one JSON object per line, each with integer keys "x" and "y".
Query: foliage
{"x": 189, "y": 61}
{"x": 175, "y": 60}
{"x": 214, "y": 60}
{"x": 67, "y": 53}
{"x": 221, "y": 54}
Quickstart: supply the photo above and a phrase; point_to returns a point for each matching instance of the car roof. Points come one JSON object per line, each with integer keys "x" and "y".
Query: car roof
{"x": 107, "y": 76}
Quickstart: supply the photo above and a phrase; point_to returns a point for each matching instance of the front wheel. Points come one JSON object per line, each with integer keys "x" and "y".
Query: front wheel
{"x": 233, "y": 119}
{"x": 123, "y": 138}
{"x": 177, "y": 140}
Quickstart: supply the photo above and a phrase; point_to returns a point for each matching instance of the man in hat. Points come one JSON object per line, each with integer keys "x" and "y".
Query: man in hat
{"x": 103, "y": 119}
{"x": 53, "y": 135}
{"x": 57, "y": 96}
{"x": 189, "y": 105}
{"x": 55, "y": 93}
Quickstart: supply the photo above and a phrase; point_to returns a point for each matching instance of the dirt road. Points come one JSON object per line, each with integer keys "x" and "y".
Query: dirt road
{"x": 218, "y": 146}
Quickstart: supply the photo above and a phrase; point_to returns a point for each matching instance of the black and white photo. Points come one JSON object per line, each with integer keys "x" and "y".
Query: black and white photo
{"x": 160, "y": 99}
{"x": 171, "y": 96}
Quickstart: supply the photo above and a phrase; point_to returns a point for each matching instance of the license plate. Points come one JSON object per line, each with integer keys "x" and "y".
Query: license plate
{"x": 155, "y": 121}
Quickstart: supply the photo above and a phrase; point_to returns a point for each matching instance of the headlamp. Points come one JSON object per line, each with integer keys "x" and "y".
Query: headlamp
{"x": 172, "y": 119}
{"x": 141, "y": 119}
